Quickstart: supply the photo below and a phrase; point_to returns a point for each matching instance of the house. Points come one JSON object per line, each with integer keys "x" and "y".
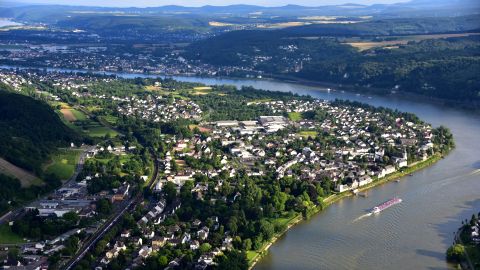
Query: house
{"x": 137, "y": 241}
{"x": 145, "y": 251}
{"x": 194, "y": 245}
{"x": 158, "y": 242}
{"x": 149, "y": 234}
{"x": 364, "y": 180}
{"x": 125, "y": 234}
{"x": 401, "y": 162}
{"x": 196, "y": 223}
{"x": 203, "y": 233}
{"x": 185, "y": 238}
{"x": 390, "y": 169}
{"x": 341, "y": 187}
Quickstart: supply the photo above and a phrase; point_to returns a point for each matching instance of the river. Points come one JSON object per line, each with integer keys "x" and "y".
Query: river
{"x": 411, "y": 235}
{"x": 7, "y": 22}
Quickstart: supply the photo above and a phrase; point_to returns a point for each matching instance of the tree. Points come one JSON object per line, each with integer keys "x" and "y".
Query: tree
{"x": 232, "y": 260}
{"x": 71, "y": 218}
{"x": 163, "y": 261}
{"x": 170, "y": 192}
{"x": 232, "y": 224}
{"x": 247, "y": 244}
{"x": 205, "y": 247}
{"x": 267, "y": 229}
{"x": 100, "y": 247}
{"x": 104, "y": 207}
{"x": 455, "y": 253}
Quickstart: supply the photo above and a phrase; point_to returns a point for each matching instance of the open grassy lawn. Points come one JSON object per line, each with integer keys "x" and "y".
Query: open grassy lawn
{"x": 284, "y": 220}
{"x": 251, "y": 255}
{"x": 101, "y": 131}
{"x": 295, "y": 116}
{"x": 8, "y": 237}
{"x": 80, "y": 116}
{"x": 63, "y": 163}
{"x": 95, "y": 129}
{"x": 307, "y": 133}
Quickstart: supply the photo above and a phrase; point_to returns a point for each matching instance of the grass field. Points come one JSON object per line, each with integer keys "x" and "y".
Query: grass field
{"x": 8, "y": 237}
{"x": 307, "y": 134}
{"x": 101, "y": 131}
{"x": 63, "y": 163}
{"x": 295, "y": 116}
{"x": 153, "y": 88}
{"x": 80, "y": 116}
{"x": 112, "y": 120}
{"x": 26, "y": 178}
{"x": 95, "y": 129}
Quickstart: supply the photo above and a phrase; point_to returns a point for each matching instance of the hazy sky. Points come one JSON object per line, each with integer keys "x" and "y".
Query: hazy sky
{"x": 144, "y": 3}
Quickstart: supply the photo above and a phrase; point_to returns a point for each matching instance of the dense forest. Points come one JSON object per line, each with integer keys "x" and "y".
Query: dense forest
{"x": 29, "y": 131}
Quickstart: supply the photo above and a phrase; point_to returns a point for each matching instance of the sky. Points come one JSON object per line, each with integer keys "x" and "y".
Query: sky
{"x": 152, "y": 3}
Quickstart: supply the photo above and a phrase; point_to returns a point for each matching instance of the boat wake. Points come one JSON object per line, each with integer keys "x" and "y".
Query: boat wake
{"x": 362, "y": 217}
{"x": 477, "y": 171}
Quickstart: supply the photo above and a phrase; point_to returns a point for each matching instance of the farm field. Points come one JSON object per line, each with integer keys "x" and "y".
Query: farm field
{"x": 63, "y": 163}
{"x": 26, "y": 178}
{"x": 73, "y": 115}
{"x": 402, "y": 40}
{"x": 202, "y": 90}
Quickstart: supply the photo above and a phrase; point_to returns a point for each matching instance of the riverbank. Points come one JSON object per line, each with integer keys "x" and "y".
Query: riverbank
{"x": 335, "y": 87}
{"x": 254, "y": 256}
{"x": 471, "y": 250}
{"x": 365, "y": 91}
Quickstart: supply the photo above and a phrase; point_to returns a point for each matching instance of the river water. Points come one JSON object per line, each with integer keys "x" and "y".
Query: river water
{"x": 7, "y": 22}
{"x": 411, "y": 235}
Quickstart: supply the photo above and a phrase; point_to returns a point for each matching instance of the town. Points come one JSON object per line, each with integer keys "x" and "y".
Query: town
{"x": 176, "y": 182}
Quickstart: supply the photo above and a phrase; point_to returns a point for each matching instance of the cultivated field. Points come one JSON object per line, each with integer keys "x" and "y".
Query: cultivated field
{"x": 73, "y": 115}
{"x": 202, "y": 90}
{"x": 365, "y": 45}
{"x": 26, "y": 178}
{"x": 68, "y": 115}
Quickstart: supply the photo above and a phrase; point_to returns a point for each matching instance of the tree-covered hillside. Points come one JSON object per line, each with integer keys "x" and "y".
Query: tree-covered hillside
{"x": 441, "y": 66}
{"x": 29, "y": 131}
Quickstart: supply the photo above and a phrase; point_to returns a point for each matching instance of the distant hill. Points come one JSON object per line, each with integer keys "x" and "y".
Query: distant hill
{"x": 52, "y": 14}
{"x": 30, "y": 131}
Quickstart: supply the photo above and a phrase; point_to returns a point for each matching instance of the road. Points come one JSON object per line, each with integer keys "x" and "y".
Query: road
{"x": 101, "y": 232}
{"x": 114, "y": 219}
{"x": 14, "y": 214}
